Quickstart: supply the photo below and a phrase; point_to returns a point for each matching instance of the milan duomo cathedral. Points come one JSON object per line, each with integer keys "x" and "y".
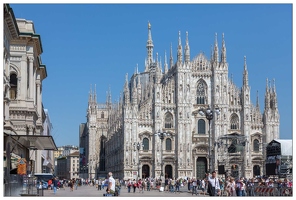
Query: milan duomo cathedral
{"x": 156, "y": 128}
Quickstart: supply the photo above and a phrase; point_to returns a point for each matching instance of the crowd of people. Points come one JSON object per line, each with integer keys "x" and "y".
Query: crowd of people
{"x": 210, "y": 184}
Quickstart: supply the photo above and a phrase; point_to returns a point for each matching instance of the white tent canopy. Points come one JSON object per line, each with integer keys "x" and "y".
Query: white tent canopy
{"x": 286, "y": 147}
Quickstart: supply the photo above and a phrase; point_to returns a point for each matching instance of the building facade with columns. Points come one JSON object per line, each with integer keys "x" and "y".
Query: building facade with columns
{"x": 168, "y": 99}
{"x": 26, "y": 125}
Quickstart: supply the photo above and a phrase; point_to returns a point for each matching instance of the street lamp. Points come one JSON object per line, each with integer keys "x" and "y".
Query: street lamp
{"x": 209, "y": 115}
{"x": 138, "y": 145}
{"x": 161, "y": 136}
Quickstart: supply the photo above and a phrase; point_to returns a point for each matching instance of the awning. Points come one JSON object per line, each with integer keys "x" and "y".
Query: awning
{"x": 36, "y": 142}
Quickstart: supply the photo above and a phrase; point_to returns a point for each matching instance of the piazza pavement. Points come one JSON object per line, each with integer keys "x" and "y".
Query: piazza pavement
{"x": 92, "y": 191}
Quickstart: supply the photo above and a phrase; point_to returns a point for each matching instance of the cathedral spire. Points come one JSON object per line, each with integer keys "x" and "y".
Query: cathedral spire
{"x": 179, "y": 54}
{"x": 187, "y": 49}
{"x": 149, "y": 46}
{"x": 165, "y": 63}
{"x": 171, "y": 57}
{"x": 160, "y": 64}
{"x": 274, "y": 95}
{"x": 90, "y": 96}
{"x": 223, "y": 50}
{"x": 246, "y": 77}
{"x": 126, "y": 90}
{"x": 257, "y": 101}
{"x": 267, "y": 96}
{"x": 109, "y": 95}
{"x": 136, "y": 69}
{"x": 212, "y": 53}
{"x": 139, "y": 82}
{"x": 216, "y": 50}
{"x": 95, "y": 94}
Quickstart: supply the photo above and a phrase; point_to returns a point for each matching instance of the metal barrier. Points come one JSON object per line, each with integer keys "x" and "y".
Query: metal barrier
{"x": 273, "y": 191}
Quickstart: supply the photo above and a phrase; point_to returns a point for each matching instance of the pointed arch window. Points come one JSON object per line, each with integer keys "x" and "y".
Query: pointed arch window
{"x": 201, "y": 93}
{"x": 168, "y": 144}
{"x": 234, "y": 122}
{"x": 146, "y": 144}
{"x": 256, "y": 145}
{"x": 102, "y": 115}
{"x": 13, "y": 86}
{"x": 233, "y": 147}
{"x": 168, "y": 121}
{"x": 201, "y": 126}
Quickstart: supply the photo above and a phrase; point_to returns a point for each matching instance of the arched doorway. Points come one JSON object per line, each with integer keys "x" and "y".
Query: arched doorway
{"x": 235, "y": 171}
{"x": 256, "y": 170}
{"x": 168, "y": 171}
{"x": 201, "y": 167}
{"x": 145, "y": 171}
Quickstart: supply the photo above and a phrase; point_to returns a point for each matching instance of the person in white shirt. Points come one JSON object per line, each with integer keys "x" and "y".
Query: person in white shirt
{"x": 213, "y": 185}
{"x": 111, "y": 184}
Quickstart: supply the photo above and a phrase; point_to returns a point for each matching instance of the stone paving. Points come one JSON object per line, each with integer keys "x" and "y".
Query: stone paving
{"x": 91, "y": 191}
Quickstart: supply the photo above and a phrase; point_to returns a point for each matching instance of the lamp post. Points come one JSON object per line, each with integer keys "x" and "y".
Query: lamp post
{"x": 161, "y": 136}
{"x": 209, "y": 115}
{"x": 138, "y": 146}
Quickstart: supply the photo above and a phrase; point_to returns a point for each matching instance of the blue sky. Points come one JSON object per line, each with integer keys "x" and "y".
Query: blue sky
{"x": 88, "y": 44}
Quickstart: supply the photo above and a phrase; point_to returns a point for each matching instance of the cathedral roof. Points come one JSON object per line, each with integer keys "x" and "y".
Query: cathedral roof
{"x": 200, "y": 57}
{"x": 200, "y": 62}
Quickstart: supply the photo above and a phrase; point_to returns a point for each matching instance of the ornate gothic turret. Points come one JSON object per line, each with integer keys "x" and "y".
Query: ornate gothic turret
{"x": 149, "y": 47}
{"x": 171, "y": 57}
{"x": 267, "y": 96}
{"x": 179, "y": 53}
{"x": 126, "y": 91}
{"x": 216, "y": 50}
{"x": 165, "y": 63}
{"x": 223, "y": 50}
{"x": 187, "y": 50}
{"x": 257, "y": 101}
{"x": 134, "y": 91}
{"x": 139, "y": 88}
{"x": 246, "y": 76}
{"x": 271, "y": 115}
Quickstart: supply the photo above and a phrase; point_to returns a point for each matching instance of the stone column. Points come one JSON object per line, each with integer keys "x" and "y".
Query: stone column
{"x": 38, "y": 103}
{"x": 31, "y": 76}
{"x": 35, "y": 87}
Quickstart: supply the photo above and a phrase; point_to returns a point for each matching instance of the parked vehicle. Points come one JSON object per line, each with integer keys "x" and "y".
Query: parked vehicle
{"x": 44, "y": 184}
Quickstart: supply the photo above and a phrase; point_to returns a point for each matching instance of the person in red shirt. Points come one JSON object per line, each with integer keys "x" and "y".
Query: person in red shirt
{"x": 49, "y": 184}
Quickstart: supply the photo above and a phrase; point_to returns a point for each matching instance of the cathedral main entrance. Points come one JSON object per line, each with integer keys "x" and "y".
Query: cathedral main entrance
{"x": 145, "y": 171}
{"x": 201, "y": 167}
{"x": 256, "y": 170}
{"x": 168, "y": 171}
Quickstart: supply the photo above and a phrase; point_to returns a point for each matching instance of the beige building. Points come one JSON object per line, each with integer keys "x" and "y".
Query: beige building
{"x": 68, "y": 166}
{"x": 26, "y": 127}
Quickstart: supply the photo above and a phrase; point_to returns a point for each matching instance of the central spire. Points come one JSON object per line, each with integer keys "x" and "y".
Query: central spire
{"x": 149, "y": 47}
{"x": 179, "y": 53}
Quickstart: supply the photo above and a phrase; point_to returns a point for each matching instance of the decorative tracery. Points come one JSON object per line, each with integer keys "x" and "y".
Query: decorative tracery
{"x": 201, "y": 93}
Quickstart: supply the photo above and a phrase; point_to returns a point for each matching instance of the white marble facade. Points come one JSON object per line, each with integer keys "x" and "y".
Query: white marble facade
{"x": 167, "y": 98}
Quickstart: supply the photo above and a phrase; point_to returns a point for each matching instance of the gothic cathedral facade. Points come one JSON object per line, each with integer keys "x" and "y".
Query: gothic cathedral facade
{"x": 123, "y": 137}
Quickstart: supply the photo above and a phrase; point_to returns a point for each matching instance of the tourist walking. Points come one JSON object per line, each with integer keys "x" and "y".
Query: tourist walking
{"x": 99, "y": 184}
{"x": 135, "y": 185}
{"x": 55, "y": 185}
{"x": 148, "y": 185}
{"x": 129, "y": 185}
{"x": 111, "y": 184}
{"x": 213, "y": 185}
{"x": 230, "y": 188}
